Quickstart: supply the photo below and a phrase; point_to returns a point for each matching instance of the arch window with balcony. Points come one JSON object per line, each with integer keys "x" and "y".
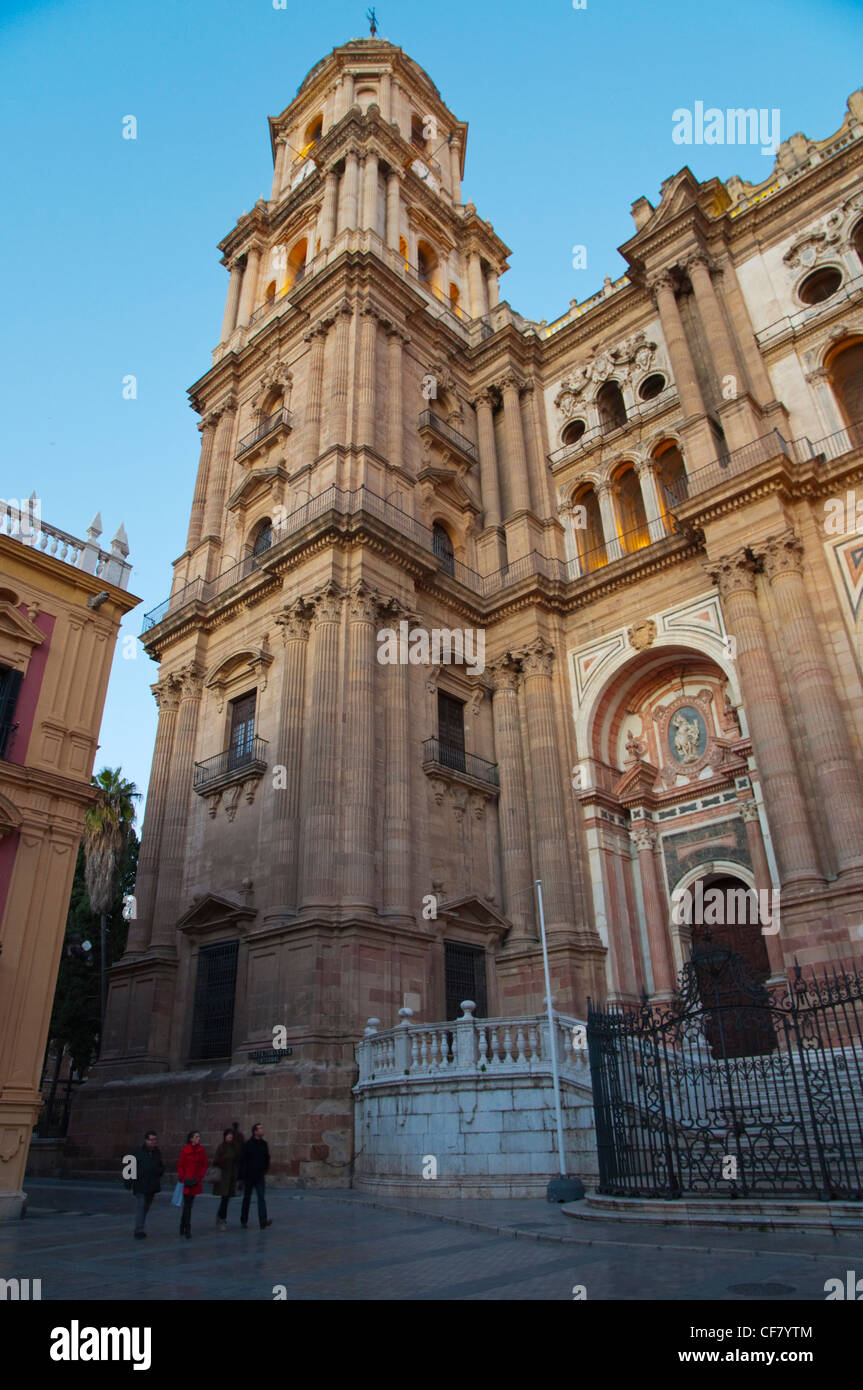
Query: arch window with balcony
{"x": 611, "y": 407}
{"x": 455, "y": 300}
{"x": 670, "y": 478}
{"x": 403, "y": 252}
{"x": 297, "y": 263}
{"x": 632, "y": 525}
{"x": 588, "y": 532}
{"x": 427, "y": 263}
{"x": 314, "y": 131}
{"x": 443, "y": 548}
{"x": 846, "y": 377}
{"x": 261, "y": 541}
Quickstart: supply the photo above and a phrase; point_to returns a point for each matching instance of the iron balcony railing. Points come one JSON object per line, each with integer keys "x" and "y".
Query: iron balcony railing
{"x": 429, "y": 421}
{"x": 253, "y": 754}
{"x": 450, "y": 756}
{"x": 273, "y": 422}
{"x": 635, "y": 415}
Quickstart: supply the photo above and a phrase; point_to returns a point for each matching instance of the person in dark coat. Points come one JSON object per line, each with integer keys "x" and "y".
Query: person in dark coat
{"x": 147, "y": 1181}
{"x": 227, "y": 1160}
{"x": 191, "y": 1169}
{"x": 253, "y": 1170}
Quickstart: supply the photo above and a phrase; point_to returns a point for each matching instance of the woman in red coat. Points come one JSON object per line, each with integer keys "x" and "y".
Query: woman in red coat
{"x": 191, "y": 1168}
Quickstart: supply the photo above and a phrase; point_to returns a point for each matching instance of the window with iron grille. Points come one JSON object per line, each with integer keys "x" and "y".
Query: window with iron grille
{"x": 450, "y": 731}
{"x": 464, "y": 973}
{"x": 215, "y": 989}
{"x": 442, "y": 546}
{"x": 242, "y": 738}
{"x": 10, "y": 687}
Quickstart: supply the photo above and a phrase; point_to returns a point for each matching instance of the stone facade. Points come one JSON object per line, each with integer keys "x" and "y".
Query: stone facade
{"x": 61, "y": 604}
{"x": 628, "y": 504}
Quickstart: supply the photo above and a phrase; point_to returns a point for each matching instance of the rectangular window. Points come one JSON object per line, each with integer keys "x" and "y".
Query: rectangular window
{"x": 215, "y": 988}
{"x": 241, "y": 742}
{"x": 464, "y": 972}
{"x": 450, "y": 722}
{"x": 10, "y": 687}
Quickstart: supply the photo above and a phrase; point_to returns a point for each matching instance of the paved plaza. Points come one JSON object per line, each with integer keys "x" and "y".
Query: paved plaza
{"x": 342, "y": 1245}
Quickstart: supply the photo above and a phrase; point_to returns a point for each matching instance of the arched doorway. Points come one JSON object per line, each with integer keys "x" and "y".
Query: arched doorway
{"x": 731, "y": 964}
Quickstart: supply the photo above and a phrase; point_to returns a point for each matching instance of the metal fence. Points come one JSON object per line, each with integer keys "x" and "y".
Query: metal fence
{"x": 732, "y": 1088}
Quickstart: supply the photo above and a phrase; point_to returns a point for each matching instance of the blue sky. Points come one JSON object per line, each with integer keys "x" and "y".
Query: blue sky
{"x": 110, "y": 264}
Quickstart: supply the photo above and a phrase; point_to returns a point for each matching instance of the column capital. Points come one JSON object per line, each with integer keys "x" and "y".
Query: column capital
{"x": 643, "y": 837}
{"x": 732, "y": 574}
{"x": 210, "y": 420}
{"x": 364, "y": 603}
{"x": 228, "y": 406}
{"x": 505, "y": 673}
{"x": 511, "y": 381}
{"x": 318, "y": 330}
{"x": 749, "y": 809}
{"x": 395, "y": 332}
{"x": 190, "y": 679}
{"x": 537, "y": 659}
{"x": 295, "y": 621}
{"x": 485, "y": 397}
{"x": 166, "y": 693}
{"x": 663, "y": 280}
{"x": 644, "y": 465}
{"x": 698, "y": 260}
{"x": 605, "y": 488}
{"x": 327, "y": 604}
{"x": 782, "y": 555}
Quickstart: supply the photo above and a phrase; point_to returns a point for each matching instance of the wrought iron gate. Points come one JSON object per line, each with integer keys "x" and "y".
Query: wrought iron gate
{"x": 731, "y": 1088}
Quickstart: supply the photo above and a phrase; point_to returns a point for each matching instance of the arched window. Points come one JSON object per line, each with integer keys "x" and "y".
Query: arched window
{"x": 820, "y": 285}
{"x": 297, "y": 263}
{"x": 670, "y": 478}
{"x": 573, "y": 432}
{"x": 418, "y": 139}
{"x": 857, "y": 239}
{"x": 403, "y": 252}
{"x": 846, "y": 378}
{"x": 262, "y": 539}
{"x": 442, "y": 545}
{"x": 612, "y": 410}
{"x": 587, "y": 526}
{"x": 426, "y": 264}
{"x": 270, "y": 292}
{"x": 455, "y": 300}
{"x": 631, "y": 516}
{"x": 314, "y": 131}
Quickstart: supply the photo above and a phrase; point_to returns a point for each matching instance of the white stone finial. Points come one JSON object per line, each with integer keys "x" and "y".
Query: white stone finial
{"x": 120, "y": 543}
{"x": 467, "y": 1007}
{"x": 95, "y": 527}
{"x": 371, "y": 1027}
{"x": 405, "y": 1015}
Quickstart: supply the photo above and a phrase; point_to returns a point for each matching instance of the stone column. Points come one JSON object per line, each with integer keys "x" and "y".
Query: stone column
{"x": 316, "y": 338}
{"x": 489, "y": 485}
{"x": 651, "y": 500}
{"x": 366, "y": 376}
{"x": 492, "y": 289}
{"x": 813, "y": 692}
{"x": 512, "y": 804}
{"x": 796, "y": 856}
{"x": 682, "y": 365}
{"x": 279, "y": 172}
{"x": 476, "y": 282}
{"x": 511, "y": 388}
{"x": 229, "y": 322}
{"x": 294, "y": 623}
{"x": 207, "y": 427}
{"x": 710, "y": 310}
{"x": 386, "y": 97}
{"x": 395, "y": 404}
{"x": 321, "y": 791}
{"x": 394, "y": 195}
{"x": 397, "y": 781}
{"x": 358, "y": 764}
{"x": 348, "y": 214}
{"x": 167, "y": 696}
{"x": 250, "y": 285}
{"x": 178, "y": 809}
{"x": 605, "y": 497}
{"x": 370, "y": 193}
{"x": 657, "y": 913}
{"x": 336, "y": 389}
{"x": 223, "y": 451}
{"x": 763, "y": 881}
{"x": 541, "y": 487}
{"x": 329, "y": 209}
{"x": 547, "y": 810}
{"x": 455, "y": 172}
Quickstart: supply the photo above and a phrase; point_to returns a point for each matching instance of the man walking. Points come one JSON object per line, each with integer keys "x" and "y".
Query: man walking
{"x": 253, "y": 1169}
{"x": 147, "y": 1181}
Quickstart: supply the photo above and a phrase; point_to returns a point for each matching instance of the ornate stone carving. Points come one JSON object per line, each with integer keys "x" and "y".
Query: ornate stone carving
{"x": 295, "y": 621}
{"x": 643, "y": 837}
{"x": 166, "y": 693}
{"x": 538, "y": 658}
{"x": 364, "y": 603}
{"x": 618, "y": 361}
{"x": 191, "y": 681}
{"x": 327, "y": 604}
{"x": 642, "y": 635}
{"x": 783, "y": 555}
{"x": 505, "y": 674}
{"x": 749, "y": 810}
{"x": 732, "y": 573}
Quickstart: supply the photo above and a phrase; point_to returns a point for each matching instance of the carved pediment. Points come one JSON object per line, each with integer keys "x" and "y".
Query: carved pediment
{"x": 250, "y": 662}
{"x": 473, "y": 912}
{"x": 257, "y": 483}
{"x": 213, "y": 912}
{"x": 18, "y": 637}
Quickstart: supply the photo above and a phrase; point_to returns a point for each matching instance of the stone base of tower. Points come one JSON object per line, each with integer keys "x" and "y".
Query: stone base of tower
{"x": 577, "y": 974}
{"x": 304, "y": 1104}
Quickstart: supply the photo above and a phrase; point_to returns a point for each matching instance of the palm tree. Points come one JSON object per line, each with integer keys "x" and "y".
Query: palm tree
{"x": 106, "y": 830}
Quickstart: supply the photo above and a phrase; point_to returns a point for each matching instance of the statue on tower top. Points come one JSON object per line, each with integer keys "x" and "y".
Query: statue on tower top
{"x": 373, "y": 22}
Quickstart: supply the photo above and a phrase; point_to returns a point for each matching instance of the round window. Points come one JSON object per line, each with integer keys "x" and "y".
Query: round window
{"x": 821, "y": 285}
{"x": 652, "y": 386}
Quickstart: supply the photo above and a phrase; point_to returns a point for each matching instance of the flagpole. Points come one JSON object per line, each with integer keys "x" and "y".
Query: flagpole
{"x": 551, "y": 1033}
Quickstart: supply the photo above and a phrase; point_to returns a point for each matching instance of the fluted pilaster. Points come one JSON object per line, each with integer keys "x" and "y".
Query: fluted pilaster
{"x": 178, "y": 808}
{"x": 167, "y": 696}
{"x": 512, "y": 804}
{"x": 321, "y": 793}
{"x": 294, "y": 624}
{"x": 547, "y": 810}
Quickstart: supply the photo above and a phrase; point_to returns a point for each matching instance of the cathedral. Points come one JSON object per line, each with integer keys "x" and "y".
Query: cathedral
{"x": 469, "y": 601}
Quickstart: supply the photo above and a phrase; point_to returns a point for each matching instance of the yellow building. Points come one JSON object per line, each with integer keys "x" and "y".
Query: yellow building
{"x": 61, "y": 604}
